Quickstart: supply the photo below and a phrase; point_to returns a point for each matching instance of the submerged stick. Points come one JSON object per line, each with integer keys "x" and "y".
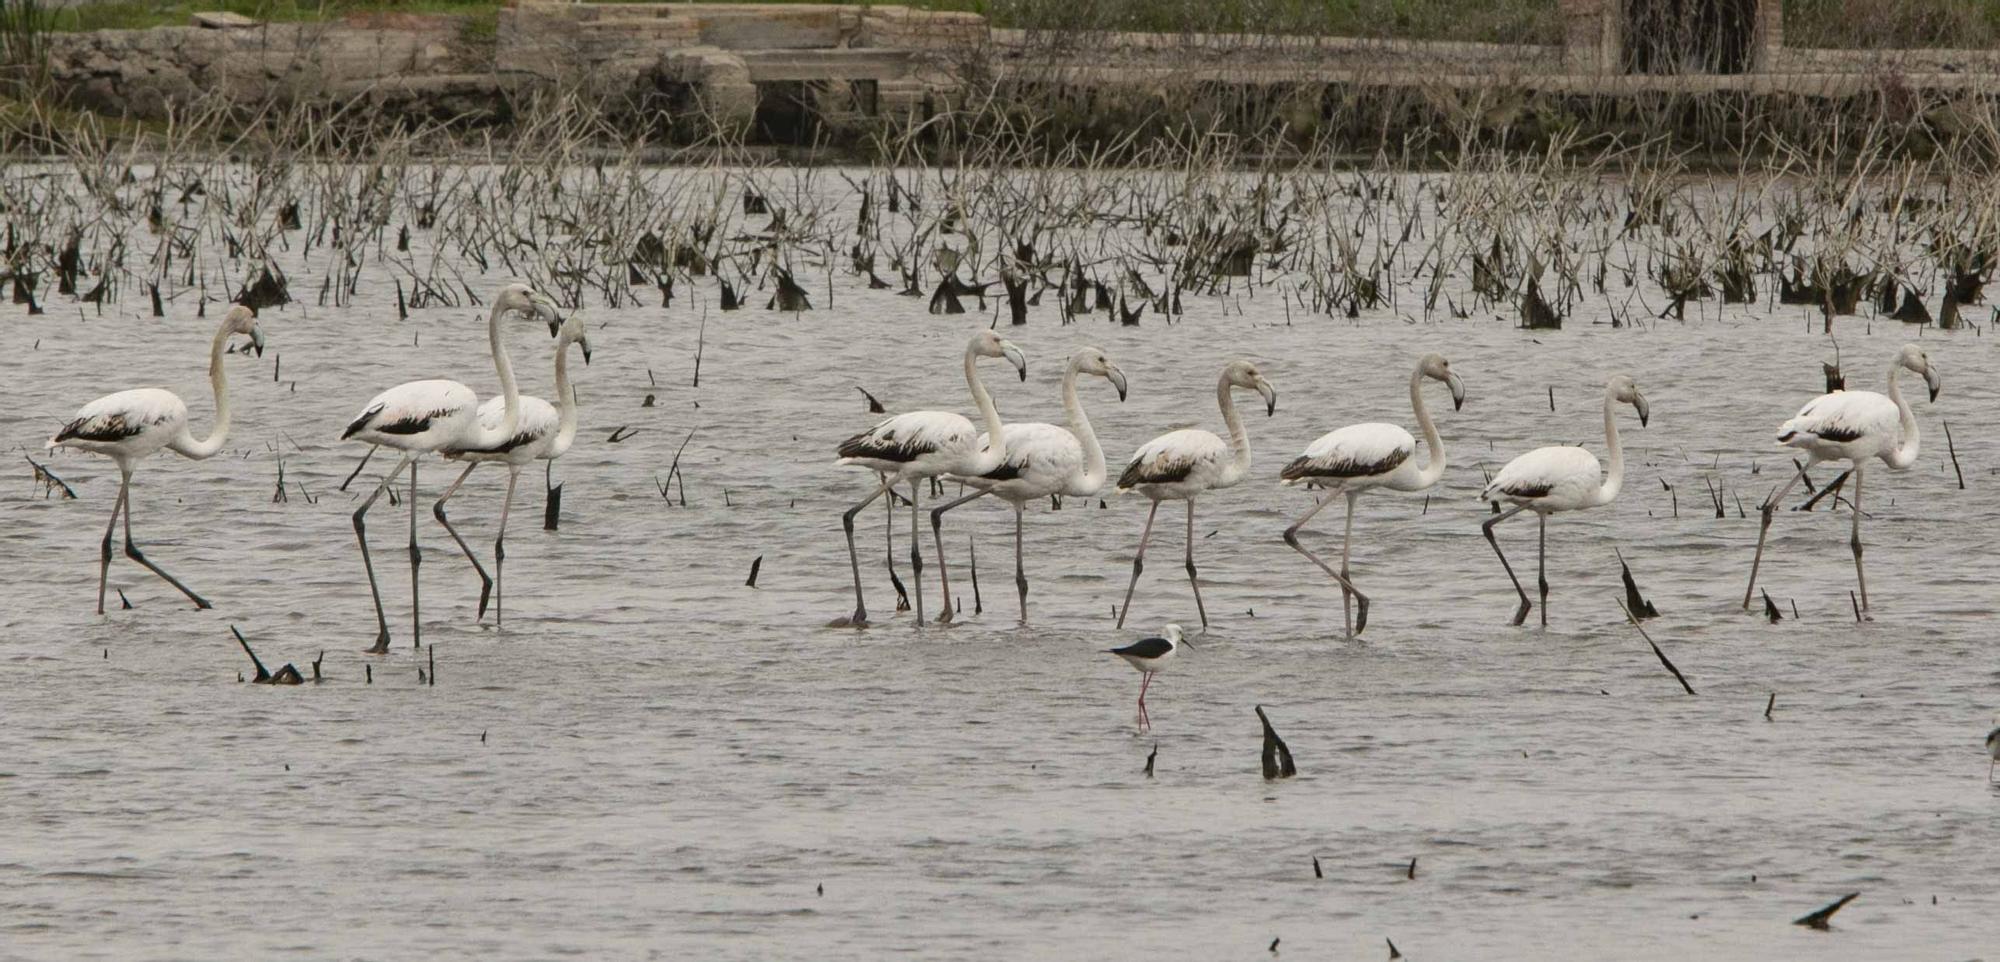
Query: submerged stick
{"x": 1954, "y": 456}
{"x": 1821, "y": 919}
{"x": 263, "y": 677}
{"x": 1656, "y": 649}
{"x": 50, "y": 483}
{"x": 1155, "y": 753}
{"x": 351, "y": 475}
{"x": 754, "y": 566}
{"x": 1771, "y": 610}
{"x": 1633, "y": 602}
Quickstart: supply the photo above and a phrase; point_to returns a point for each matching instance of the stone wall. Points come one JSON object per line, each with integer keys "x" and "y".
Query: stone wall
{"x": 142, "y": 73}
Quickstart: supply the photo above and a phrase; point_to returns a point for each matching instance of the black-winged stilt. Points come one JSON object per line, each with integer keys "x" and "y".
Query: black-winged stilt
{"x": 1150, "y": 655}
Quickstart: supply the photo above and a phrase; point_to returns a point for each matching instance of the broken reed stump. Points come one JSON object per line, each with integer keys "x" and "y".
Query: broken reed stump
{"x": 552, "y": 507}
{"x": 1633, "y": 602}
{"x": 1656, "y": 649}
{"x": 1771, "y": 610}
{"x": 1822, "y": 919}
{"x": 1277, "y": 758}
{"x": 1155, "y": 754}
{"x": 1948, "y": 446}
{"x": 288, "y": 675}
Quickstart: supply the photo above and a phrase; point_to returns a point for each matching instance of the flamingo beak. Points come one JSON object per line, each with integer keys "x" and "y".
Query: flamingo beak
{"x": 546, "y": 309}
{"x": 1645, "y": 410}
{"x": 1013, "y": 354}
{"x": 584, "y": 342}
{"x": 1270, "y": 396}
{"x": 257, "y": 344}
{"x": 1117, "y": 378}
{"x": 1457, "y": 391}
{"x": 1932, "y": 379}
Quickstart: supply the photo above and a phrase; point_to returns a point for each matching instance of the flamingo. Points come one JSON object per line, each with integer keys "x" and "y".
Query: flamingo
{"x": 1561, "y": 478}
{"x": 130, "y": 426}
{"x": 544, "y": 433}
{"x": 1042, "y": 460}
{"x": 1180, "y": 465}
{"x": 420, "y": 417}
{"x": 920, "y": 445}
{"x": 1852, "y": 426}
{"x": 1358, "y": 457}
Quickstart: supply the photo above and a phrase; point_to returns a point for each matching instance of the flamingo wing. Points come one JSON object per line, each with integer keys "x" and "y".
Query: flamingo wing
{"x": 1034, "y": 450}
{"x": 1551, "y": 472}
{"x": 909, "y": 436}
{"x": 538, "y": 420}
{"x": 1841, "y": 417}
{"x": 1172, "y": 457}
{"x": 1355, "y": 451}
{"x": 115, "y": 417}
{"x": 411, "y": 408}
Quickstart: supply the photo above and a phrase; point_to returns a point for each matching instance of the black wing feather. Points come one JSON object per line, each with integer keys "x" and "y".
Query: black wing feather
{"x": 1145, "y": 648}
{"x": 1304, "y": 467}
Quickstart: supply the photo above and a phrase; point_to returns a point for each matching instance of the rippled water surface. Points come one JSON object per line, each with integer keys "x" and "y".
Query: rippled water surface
{"x": 653, "y": 760}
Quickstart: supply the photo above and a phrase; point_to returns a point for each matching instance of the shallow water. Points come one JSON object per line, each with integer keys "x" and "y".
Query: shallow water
{"x": 652, "y": 759}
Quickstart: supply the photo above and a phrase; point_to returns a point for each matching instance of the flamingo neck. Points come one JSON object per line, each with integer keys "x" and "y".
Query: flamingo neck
{"x": 504, "y": 366}
{"x": 1093, "y": 454}
{"x": 1434, "y": 469}
{"x": 1614, "y": 474}
{"x": 1904, "y": 453}
{"x": 218, "y": 382}
{"x": 1239, "y": 440}
{"x": 996, "y": 436}
{"x": 565, "y": 402}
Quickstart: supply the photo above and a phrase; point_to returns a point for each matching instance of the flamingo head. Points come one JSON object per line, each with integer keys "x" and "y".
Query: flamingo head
{"x": 1435, "y": 367}
{"x": 242, "y": 320}
{"x": 1245, "y": 375}
{"x": 1914, "y": 359}
{"x": 1090, "y": 360}
{"x": 1624, "y": 389}
{"x": 573, "y": 332}
{"x": 988, "y": 344}
{"x": 525, "y": 299}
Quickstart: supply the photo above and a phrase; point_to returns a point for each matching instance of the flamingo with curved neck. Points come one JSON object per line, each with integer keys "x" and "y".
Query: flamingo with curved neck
{"x": 920, "y": 445}
{"x": 1043, "y": 460}
{"x": 1561, "y": 478}
{"x": 421, "y": 417}
{"x": 1181, "y": 465}
{"x": 1359, "y": 457}
{"x": 544, "y": 433}
{"x": 1852, "y": 426}
{"x": 130, "y": 426}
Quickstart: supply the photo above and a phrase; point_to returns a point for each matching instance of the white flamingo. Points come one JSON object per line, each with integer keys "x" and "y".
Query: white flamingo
{"x": 1852, "y": 426}
{"x": 1561, "y": 478}
{"x": 1181, "y": 465}
{"x": 1042, "y": 460}
{"x": 130, "y": 426}
{"x": 1358, "y": 457}
{"x": 544, "y": 433}
{"x": 920, "y": 445}
{"x": 424, "y": 416}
